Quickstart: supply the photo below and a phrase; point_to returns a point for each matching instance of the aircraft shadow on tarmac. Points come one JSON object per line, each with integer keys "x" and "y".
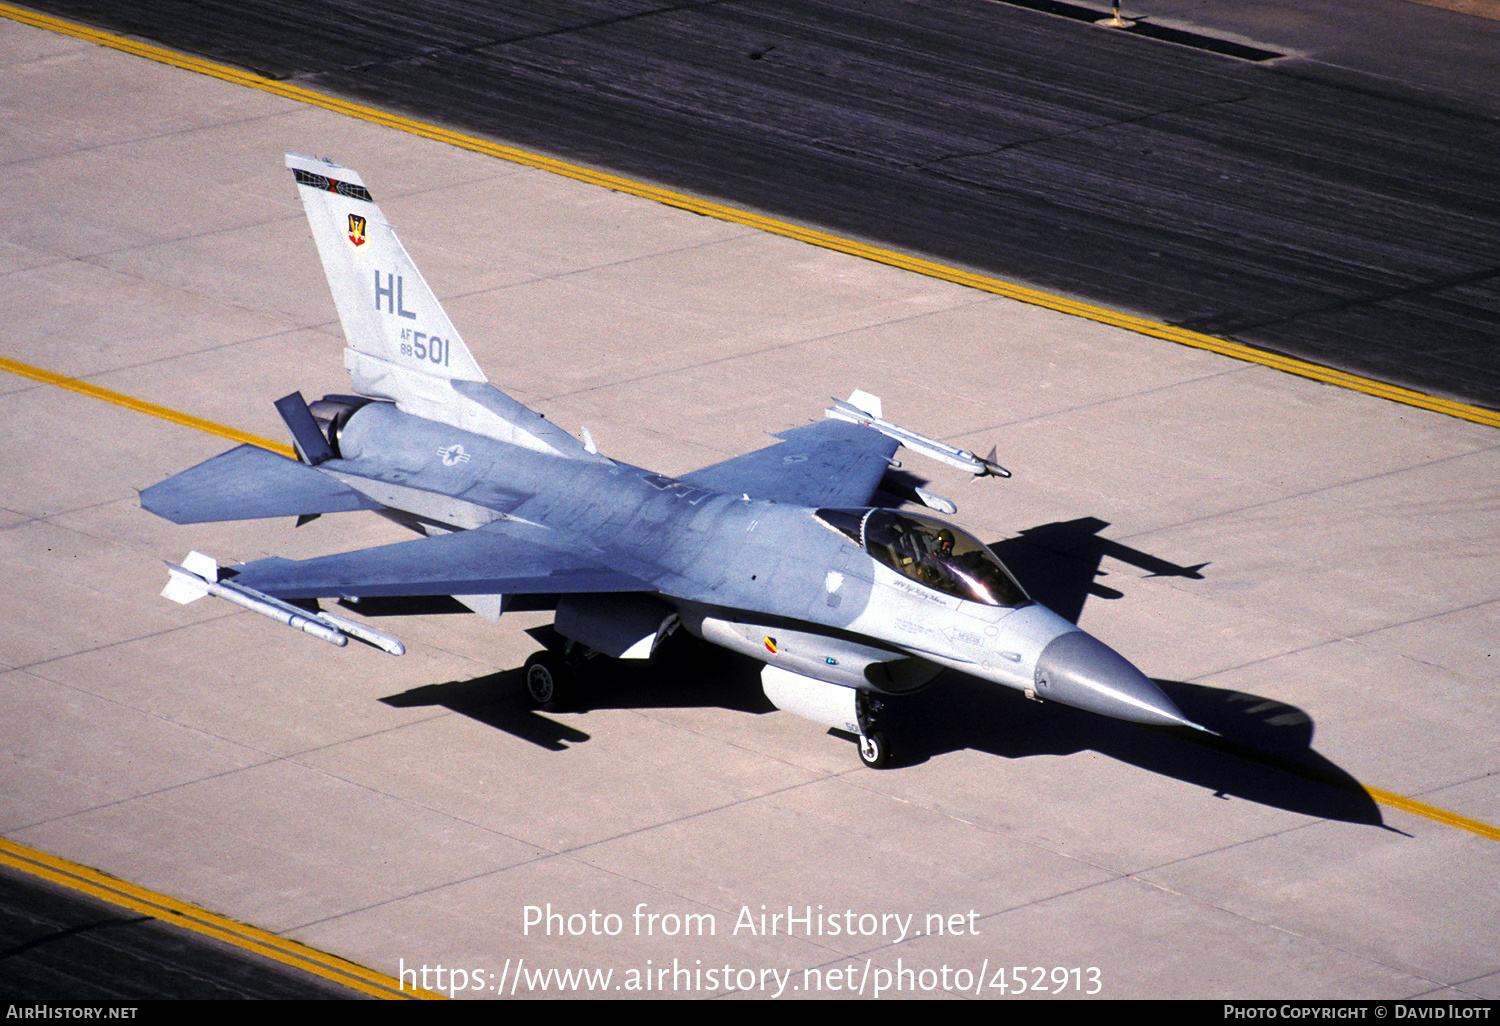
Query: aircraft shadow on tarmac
{"x": 1263, "y": 752}
{"x": 684, "y": 673}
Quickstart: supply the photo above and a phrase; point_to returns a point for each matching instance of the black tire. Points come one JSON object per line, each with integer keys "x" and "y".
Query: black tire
{"x": 546, "y": 680}
{"x": 874, "y": 750}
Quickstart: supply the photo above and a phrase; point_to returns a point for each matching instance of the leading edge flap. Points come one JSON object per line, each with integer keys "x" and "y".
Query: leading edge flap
{"x": 832, "y": 463}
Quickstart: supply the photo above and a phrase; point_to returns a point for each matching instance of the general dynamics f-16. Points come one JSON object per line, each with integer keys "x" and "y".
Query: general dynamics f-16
{"x": 778, "y": 554}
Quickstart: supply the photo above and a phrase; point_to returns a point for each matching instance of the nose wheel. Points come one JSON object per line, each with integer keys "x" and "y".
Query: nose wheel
{"x": 874, "y": 750}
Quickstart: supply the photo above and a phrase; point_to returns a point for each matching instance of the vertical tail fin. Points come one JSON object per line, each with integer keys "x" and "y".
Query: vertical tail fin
{"x": 400, "y": 343}
{"x": 395, "y": 325}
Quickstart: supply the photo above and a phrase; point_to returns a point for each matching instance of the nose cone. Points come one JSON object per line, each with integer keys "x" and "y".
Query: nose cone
{"x": 1079, "y": 670}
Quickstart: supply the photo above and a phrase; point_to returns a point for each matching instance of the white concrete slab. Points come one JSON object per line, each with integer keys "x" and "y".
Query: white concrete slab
{"x": 407, "y": 813}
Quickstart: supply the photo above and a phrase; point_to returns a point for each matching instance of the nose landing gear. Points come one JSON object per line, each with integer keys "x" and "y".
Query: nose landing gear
{"x": 874, "y": 750}
{"x": 874, "y": 747}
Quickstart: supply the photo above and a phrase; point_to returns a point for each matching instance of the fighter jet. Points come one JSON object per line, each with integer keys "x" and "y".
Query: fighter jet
{"x": 778, "y": 555}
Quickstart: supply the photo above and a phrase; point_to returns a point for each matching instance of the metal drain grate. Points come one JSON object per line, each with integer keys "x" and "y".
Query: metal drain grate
{"x": 1181, "y": 37}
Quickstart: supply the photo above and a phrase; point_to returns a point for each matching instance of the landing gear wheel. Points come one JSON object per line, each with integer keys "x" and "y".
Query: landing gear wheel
{"x": 874, "y": 750}
{"x": 546, "y": 680}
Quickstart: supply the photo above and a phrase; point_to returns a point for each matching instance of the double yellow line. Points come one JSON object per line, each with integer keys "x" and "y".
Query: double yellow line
{"x": 249, "y": 938}
{"x": 892, "y": 258}
{"x": 119, "y": 892}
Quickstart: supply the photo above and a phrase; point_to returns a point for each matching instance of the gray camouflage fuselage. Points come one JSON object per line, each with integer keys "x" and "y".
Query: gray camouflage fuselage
{"x": 775, "y": 571}
{"x": 777, "y": 554}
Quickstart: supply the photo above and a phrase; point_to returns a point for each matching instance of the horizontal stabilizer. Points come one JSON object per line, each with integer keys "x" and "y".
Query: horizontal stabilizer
{"x": 249, "y": 483}
{"x": 501, "y": 558}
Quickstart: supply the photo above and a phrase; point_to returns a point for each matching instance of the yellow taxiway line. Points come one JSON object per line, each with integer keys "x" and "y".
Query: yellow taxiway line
{"x": 138, "y": 899}
{"x": 25, "y": 370}
{"x": 1434, "y": 813}
{"x": 287, "y": 951}
{"x": 802, "y": 233}
{"x": 1386, "y": 798}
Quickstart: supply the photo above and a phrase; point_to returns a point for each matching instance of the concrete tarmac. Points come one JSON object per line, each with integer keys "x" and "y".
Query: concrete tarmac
{"x": 1307, "y": 570}
{"x": 58, "y": 944}
{"x": 1335, "y": 204}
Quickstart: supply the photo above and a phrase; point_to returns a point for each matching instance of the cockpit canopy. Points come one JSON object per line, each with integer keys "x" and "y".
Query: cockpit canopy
{"x": 930, "y": 552}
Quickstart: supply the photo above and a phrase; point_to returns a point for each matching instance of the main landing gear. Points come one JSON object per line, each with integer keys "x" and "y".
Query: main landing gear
{"x": 548, "y": 677}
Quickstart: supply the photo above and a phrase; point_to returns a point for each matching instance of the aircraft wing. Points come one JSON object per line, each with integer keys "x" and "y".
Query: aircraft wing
{"x": 503, "y": 557}
{"x": 831, "y": 463}
{"x": 248, "y": 483}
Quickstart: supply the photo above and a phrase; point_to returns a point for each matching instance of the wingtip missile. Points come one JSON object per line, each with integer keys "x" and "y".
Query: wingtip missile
{"x": 363, "y": 632}
{"x": 188, "y": 585}
{"x": 864, "y": 409}
{"x": 199, "y": 576}
{"x": 991, "y": 467}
